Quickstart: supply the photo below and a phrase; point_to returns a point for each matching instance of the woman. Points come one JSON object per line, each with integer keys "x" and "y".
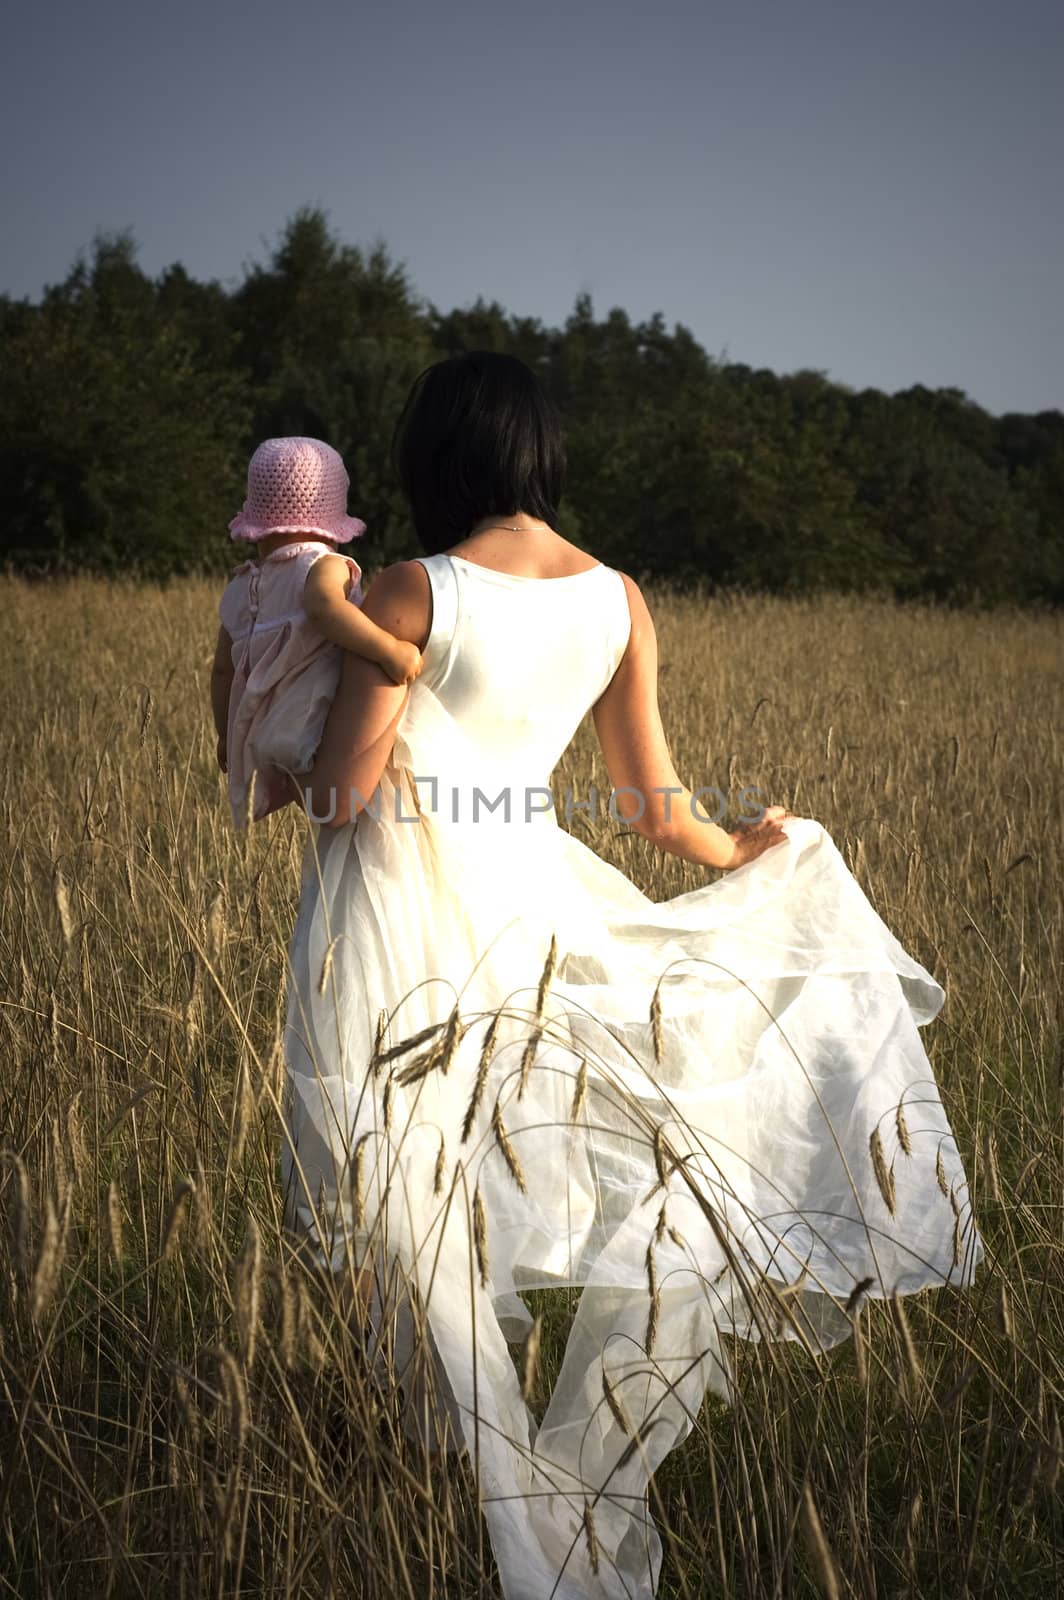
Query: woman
{"x": 713, "y": 1113}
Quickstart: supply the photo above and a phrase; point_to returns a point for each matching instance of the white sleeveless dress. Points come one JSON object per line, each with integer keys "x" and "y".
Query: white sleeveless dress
{"x": 776, "y": 1127}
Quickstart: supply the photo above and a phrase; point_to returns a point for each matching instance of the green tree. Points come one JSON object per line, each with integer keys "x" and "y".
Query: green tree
{"x": 120, "y": 438}
{"x": 958, "y": 530}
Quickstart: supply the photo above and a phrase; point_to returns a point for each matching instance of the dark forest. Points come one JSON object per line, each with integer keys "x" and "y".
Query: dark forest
{"x": 130, "y": 404}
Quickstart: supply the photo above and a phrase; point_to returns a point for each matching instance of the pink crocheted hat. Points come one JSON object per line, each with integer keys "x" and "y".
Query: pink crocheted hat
{"x": 296, "y": 485}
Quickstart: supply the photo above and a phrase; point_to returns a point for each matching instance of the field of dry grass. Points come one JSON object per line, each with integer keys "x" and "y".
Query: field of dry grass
{"x": 182, "y": 1412}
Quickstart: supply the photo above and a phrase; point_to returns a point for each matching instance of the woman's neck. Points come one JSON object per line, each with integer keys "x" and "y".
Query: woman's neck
{"x": 524, "y": 547}
{"x": 518, "y": 522}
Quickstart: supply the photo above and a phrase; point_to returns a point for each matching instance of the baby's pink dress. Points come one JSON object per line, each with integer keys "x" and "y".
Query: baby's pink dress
{"x": 285, "y": 673}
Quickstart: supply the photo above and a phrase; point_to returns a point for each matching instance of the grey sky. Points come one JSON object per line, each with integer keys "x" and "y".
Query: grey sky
{"x": 871, "y": 189}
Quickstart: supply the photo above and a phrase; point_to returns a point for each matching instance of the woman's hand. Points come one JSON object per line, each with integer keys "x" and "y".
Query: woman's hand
{"x": 752, "y": 839}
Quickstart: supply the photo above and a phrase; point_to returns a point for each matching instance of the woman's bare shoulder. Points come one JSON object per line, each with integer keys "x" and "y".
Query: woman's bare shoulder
{"x": 642, "y": 622}
{"x": 399, "y": 599}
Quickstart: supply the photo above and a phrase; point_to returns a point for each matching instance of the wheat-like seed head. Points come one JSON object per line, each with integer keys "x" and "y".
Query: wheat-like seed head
{"x": 661, "y": 1161}
{"x": 327, "y": 965}
{"x": 201, "y": 1210}
{"x": 454, "y": 1034}
{"x": 56, "y": 1160}
{"x": 820, "y": 1551}
{"x": 23, "y": 1213}
{"x": 480, "y": 1237}
{"x": 288, "y": 1304}
{"x": 884, "y": 1174}
{"x": 75, "y": 1139}
{"x": 182, "y": 1195}
{"x": 487, "y": 1051}
{"x": 617, "y": 1411}
{"x": 357, "y": 1182}
{"x": 216, "y": 923}
{"x": 546, "y": 977}
{"x": 146, "y": 716}
{"x": 236, "y": 1395}
{"x": 902, "y": 1127}
{"x": 306, "y": 1322}
{"x": 505, "y": 1144}
{"x": 188, "y": 1410}
{"x": 249, "y": 1292}
{"x": 654, "y": 1308}
{"x": 380, "y": 1037}
{"x": 114, "y": 1220}
{"x": 591, "y": 1537}
{"x": 860, "y": 1355}
{"x": 50, "y": 1255}
{"x": 656, "y": 1030}
{"x": 911, "y": 1367}
{"x": 130, "y": 886}
{"x": 243, "y": 1111}
{"x": 990, "y": 1167}
{"x": 62, "y": 905}
{"x": 579, "y": 1094}
{"x": 528, "y": 1058}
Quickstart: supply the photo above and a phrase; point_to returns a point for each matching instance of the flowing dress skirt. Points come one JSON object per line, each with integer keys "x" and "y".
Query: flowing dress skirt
{"x": 713, "y": 1114}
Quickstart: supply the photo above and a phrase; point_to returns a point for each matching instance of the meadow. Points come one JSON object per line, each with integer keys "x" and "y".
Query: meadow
{"x": 183, "y": 1408}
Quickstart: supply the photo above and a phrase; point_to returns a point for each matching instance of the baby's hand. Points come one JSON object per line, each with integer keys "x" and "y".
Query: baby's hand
{"x": 403, "y": 662}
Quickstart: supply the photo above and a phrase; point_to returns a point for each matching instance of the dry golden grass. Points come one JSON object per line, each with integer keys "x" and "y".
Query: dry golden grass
{"x": 183, "y": 1412}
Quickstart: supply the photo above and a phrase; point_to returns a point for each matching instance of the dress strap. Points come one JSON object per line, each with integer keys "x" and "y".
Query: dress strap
{"x": 445, "y": 606}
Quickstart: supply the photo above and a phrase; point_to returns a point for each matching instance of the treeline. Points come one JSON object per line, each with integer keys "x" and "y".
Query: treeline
{"x": 129, "y": 406}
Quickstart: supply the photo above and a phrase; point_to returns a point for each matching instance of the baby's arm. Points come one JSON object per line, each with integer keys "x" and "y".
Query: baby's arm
{"x": 221, "y": 684}
{"x": 326, "y": 604}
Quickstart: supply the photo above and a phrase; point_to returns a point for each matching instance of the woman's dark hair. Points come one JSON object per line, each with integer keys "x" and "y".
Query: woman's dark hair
{"x": 478, "y": 437}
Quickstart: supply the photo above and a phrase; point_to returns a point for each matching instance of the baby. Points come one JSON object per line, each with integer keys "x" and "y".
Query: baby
{"x": 283, "y": 614}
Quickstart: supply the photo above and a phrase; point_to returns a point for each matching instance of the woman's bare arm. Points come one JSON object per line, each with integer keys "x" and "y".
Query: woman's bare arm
{"x": 360, "y": 728}
{"x": 628, "y": 723}
{"x": 326, "y": 604}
